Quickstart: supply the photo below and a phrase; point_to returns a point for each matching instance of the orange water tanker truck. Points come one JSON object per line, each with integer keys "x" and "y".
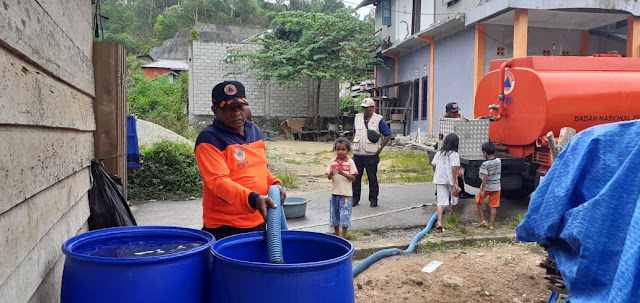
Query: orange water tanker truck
{"x": 525, "y": 98}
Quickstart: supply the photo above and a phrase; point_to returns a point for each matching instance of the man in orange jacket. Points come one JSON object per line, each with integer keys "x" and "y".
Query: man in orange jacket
{"x": 232, "y": 158}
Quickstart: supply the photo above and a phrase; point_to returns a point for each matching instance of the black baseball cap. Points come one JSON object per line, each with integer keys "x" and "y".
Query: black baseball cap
{"x": 228, "y": 93}
{"x": 452, "y": 107}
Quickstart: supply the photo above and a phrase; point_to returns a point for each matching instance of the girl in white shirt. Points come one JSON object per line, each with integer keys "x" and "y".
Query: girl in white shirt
{"x": 446, "y": 164}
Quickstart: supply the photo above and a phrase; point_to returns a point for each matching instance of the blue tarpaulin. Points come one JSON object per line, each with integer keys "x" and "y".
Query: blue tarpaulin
{"x": 586, "y": 212}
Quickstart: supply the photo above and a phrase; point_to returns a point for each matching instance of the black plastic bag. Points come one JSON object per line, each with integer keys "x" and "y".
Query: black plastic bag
{"x": 106, "y": 201}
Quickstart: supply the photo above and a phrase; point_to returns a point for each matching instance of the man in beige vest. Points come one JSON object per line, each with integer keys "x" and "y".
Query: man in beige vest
{"x": 365, "y": 151}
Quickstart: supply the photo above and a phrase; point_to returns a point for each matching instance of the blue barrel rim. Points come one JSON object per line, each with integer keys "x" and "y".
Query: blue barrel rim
{"x": 304, "y": 201}
{"x": 248, "y": 237}
{"x": 67, "y": 247}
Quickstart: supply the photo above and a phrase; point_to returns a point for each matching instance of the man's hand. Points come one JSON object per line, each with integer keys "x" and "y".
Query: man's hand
{"x": 283, "y": 193}
{"x": 262, "y": 203}
{"x": 379, "y": 151}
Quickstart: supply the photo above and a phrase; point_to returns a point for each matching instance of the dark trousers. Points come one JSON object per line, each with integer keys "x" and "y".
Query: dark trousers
{"x": 461, "y": 184}
{"x": 370, "y": 164}
{"x": 225, "y": 231}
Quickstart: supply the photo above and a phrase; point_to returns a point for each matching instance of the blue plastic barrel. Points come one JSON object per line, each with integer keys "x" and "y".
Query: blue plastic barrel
{"x": 137, "y": 264}
{"x": 317, "y": 269}
{"x": 133, "y": 152}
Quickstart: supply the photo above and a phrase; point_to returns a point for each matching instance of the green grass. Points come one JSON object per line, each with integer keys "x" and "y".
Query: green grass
{"x": 292, "y": 161}
{"x": 432, "y": 246}
{"x": 322, "y": 152}
{"x": 406, "y": 166}
{"x": 515, "y": 220}
{"x": 451, "y": 221}
{"x": 351, "y": 235}
{"x": 289, "y": 180}
{"x": 318, "y": 161}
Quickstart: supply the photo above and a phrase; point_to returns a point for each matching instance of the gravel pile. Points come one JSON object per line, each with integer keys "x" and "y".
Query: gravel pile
{"x": 150, "y": 133}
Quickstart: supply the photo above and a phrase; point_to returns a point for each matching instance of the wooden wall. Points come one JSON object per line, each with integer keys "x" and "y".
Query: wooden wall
{"x": 46, "y": 141}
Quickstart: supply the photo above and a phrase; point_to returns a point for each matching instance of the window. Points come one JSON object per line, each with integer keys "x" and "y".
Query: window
{"x": 415, "y": 20}
{"x": 386, "y": 12}
{"x": 425, "y": 93}
{"x": 416, "y": 99}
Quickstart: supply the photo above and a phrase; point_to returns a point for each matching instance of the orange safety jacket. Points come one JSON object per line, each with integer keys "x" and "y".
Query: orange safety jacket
{"x": 234, "y": 171}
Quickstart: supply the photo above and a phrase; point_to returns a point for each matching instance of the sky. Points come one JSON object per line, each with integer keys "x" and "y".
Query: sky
{"x": 363, "y": 11}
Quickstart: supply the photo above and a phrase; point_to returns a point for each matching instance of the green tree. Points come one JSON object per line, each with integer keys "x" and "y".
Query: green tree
{"x": 123, "y": 39}
{"x": 326, "y": 6}
{"x": 166, "y": 27}
{"x": 370, "y": 17}
{"x": 300, "y": 5}
{"x": 331, "y": 47}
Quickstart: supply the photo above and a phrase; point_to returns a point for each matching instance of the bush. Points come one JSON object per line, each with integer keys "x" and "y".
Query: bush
{"x": 162, "y": 102}
{"x": 194, "y": 34}
{"x": 168, "y": 170}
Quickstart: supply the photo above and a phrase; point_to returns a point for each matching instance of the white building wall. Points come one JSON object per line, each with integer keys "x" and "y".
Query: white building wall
{"x": 403, "y": 13}
{"x": 427, "y": 11}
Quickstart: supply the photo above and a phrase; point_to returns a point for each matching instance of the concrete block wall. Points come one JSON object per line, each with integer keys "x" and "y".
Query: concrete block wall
{"x": 208, "y": 65}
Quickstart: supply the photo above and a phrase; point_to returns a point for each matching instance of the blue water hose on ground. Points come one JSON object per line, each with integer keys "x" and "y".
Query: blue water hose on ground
{"x": 276, "y": 222}
{"x": 394, "y": 251}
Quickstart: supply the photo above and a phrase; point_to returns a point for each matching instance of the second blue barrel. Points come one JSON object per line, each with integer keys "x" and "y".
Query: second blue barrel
{"x": 137, "y": 264}
{"x": 317, "y": 269}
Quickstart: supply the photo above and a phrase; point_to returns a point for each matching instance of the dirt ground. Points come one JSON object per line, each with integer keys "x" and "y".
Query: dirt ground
{"x": 491, "y": 273}
{"x": 497, "y": 273}
{"x": 305, "y": 159}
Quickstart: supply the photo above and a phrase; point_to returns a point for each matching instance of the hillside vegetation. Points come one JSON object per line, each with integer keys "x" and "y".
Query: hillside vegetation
{"x": 139, "y": 25}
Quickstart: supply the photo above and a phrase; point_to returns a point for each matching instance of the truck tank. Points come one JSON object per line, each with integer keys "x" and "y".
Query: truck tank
{"x": 543, "y": 94}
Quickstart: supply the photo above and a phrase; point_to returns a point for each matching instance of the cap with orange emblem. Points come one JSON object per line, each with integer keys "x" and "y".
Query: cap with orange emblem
{"x": 228, "y": 93}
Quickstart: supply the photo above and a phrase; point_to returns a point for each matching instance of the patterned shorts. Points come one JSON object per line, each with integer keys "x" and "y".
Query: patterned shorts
{"x": 340, "y": 211}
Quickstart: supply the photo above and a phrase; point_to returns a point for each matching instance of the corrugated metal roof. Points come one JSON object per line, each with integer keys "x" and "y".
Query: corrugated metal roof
{"x": 171, "y": 64}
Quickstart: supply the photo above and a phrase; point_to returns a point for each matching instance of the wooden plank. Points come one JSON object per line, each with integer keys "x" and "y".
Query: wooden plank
{"x": 31, "y": 97}
{"x": 39, "y": 261}
{"x": 74, "y": 18}
{"x": 33, "y": 159}
{"x": 29, "y": 30}
{"x": 110, "y": 108}
{"x": 49, "y": 289}
{"x": 26, "y": 223}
